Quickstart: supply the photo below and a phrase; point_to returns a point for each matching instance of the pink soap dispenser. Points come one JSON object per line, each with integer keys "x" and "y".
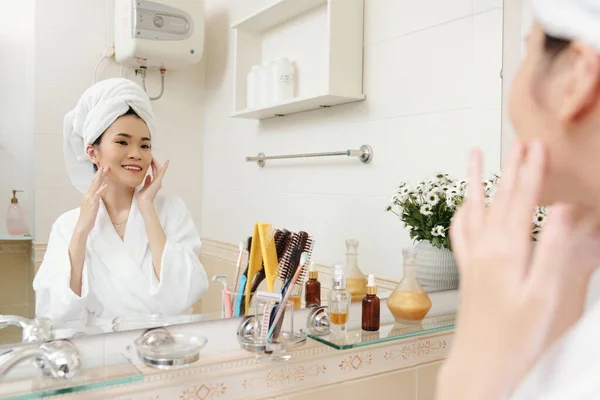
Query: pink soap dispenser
{"x": 15, "y": 217}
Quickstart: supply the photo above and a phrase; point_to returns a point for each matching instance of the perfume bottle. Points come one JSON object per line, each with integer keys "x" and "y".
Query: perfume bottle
{"x": 357, "y": 283}
{"x": 312, "y": 292}
{"x": 371, "y": 307}
{"x": 339, "y": 300}
{"x": 409, "y": 303}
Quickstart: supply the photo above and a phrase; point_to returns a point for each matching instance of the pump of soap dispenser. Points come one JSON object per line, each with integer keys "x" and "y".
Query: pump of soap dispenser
{"x": 15, "y": 217}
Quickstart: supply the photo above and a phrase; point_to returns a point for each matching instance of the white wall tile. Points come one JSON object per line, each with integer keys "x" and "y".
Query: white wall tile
{"x": 487, "y": 51}
{"x": 64, "y": 56}
{"x": 377, "y": 17}
{"x": 486, "y": 134}
{"x": 432, "y": 70}
{"x": 50, "y": 170}
{"x": 485, "y": 5}
{"x": 50, "y": 203}
{"x": 13, "y": 63}
{"x": 405, "y": 16}
{"x": 52, "y": 102}
{"x": 16, "y": 107}
{"x": 76, "y": 15}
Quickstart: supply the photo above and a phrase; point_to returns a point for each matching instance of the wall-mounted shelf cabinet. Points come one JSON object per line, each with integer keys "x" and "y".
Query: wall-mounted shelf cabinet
{"x": 323, "y": 38}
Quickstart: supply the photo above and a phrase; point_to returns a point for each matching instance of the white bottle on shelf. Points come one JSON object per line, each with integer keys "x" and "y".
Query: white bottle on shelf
{"x": 251, "y": 87}
{"x": 284, "y": 80}
{"x": 264, "y": 84}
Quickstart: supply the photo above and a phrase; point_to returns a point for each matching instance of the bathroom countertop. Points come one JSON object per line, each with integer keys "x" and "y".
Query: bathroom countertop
{"x": 5, "y": 237}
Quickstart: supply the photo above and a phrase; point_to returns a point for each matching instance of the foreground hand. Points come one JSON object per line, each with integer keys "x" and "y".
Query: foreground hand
{"x": 514, "y": 302}
{"x": 91, "y": 202}
{"x": 152, "y": 184}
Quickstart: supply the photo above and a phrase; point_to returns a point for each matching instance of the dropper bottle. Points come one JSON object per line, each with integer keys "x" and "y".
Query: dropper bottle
{"x": 371, "y": 307}
{"x": 312, "y": 292}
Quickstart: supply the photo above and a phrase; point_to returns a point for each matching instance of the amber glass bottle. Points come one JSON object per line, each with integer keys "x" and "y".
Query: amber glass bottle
{"x": 312, "y": 292}
{"x": 371, "y": 307}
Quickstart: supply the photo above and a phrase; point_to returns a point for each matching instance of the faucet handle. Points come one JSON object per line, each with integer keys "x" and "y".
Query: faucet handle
{"x": 59, "y": 358}
{"x": 35, "y": 330}
{"x": 39, "y": 329}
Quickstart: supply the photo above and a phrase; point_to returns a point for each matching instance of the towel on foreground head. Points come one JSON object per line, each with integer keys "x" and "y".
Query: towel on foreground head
{"x": 99, "y": 106}
{"x": 570, "y": 19}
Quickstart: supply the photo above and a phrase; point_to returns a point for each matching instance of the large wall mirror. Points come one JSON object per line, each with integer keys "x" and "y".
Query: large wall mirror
{"x": 433, "y": 87}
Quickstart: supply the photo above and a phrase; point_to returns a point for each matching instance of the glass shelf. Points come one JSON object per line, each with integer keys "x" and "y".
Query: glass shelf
{"x": 26, "y": 382}
{"x": 354, "y": 336}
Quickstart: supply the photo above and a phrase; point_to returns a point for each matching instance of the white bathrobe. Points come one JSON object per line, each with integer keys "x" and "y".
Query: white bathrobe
{"x": 570, "y": 369}
{"x": 118, "y": 275}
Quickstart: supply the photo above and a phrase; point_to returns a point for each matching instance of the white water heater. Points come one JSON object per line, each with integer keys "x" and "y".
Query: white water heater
{"x": 159, "y": 34}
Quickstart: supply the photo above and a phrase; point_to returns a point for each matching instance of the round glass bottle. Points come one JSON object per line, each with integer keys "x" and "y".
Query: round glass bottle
{"x": 409, "y": 303}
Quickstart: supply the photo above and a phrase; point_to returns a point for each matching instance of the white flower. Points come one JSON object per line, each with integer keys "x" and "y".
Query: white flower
{"x": 438, "y": 231}
{"x": 426, "y": 210}
{"x": 402, "y": 194}
{"x": 450, "y": 203}
{"x": 432, "y": 198}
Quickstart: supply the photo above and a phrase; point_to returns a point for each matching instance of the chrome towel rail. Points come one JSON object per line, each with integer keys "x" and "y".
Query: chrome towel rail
{"x": 364, "y": 154}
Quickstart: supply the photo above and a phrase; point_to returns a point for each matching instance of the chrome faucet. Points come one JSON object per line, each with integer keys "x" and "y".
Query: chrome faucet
{"x": 33, "y": 330}
{"x": 59, "y": 358}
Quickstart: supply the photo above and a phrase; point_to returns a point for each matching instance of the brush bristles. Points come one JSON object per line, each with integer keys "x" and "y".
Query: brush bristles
{"x": 299, "y": 243}
{"x": 286, "y": 268}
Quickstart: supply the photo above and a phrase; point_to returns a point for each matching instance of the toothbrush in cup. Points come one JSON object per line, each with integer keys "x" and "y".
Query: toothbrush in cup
{"x": 288, "y": 293}
{"x": 238, "y": 266}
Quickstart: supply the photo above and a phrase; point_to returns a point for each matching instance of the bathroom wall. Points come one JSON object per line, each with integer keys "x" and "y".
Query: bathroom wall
{"x": 71, "y": 36}
{"x": 16, "y": 105}
{"x": 433, "y": 87}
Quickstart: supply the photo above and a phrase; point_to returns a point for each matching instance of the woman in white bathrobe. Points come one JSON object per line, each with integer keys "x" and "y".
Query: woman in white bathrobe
{"x": 521, "y": 330}
{"x": 128, "y": 250}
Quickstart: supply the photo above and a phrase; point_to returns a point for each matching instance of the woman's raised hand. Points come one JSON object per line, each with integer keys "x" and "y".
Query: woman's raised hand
{"x": 152, "y": 184}
{"x": 512, "y": 298}
{"x": 91, "y": 202}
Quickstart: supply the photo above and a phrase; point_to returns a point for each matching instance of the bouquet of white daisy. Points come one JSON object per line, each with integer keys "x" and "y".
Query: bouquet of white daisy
{"x": 427, "y": 208}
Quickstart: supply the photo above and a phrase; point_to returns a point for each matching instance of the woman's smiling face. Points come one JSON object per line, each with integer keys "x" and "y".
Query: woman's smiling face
{"x": 125, "y": 148}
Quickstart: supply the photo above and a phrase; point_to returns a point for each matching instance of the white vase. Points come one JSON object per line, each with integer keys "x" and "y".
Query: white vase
{"x": 436, "y": 268}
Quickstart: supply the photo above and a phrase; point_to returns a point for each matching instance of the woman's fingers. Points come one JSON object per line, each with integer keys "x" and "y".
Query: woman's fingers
{"x": 147, "y": 182}
{"x": 503, "y": 200}
{"x": 97, "y": 181}
{"x": 100, "y": 192}
{"x": 164, "y": 169}
{"x": 527, "y": 190}
{"x": 553, "y": 248}
{"x": 459, "y": 239}
{"x": 154, "y": 165}
{"x": 475, "y": 199}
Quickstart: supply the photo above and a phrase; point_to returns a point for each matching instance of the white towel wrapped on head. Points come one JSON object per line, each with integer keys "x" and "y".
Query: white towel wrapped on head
{"x": 570, "y": 19}
{"x": 99, "y": 106}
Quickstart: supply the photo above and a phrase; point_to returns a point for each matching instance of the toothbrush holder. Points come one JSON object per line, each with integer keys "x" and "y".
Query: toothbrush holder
{"x": 264, "y": 313}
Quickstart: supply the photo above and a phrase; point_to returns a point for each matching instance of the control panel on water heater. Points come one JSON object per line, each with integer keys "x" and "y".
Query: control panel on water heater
{"x": 157, "y": 21}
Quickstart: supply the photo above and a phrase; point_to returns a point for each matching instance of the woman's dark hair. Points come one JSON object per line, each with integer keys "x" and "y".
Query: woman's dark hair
{"x": 97, "y": 141}
{"x": 554, "y": 46}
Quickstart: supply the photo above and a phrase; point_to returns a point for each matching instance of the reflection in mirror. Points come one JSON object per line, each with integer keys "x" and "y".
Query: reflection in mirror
{"x": 103, "y": 234}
